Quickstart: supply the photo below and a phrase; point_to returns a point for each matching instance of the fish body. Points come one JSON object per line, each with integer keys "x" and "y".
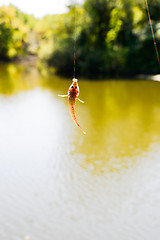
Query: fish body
{"x": 73, "y": 93}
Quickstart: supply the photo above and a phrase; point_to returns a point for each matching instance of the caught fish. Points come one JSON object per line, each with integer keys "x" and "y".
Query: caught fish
{"x": 73, "y": 93}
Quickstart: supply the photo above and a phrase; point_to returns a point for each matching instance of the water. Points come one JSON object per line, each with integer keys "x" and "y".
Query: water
{"x": 55, "y": 182}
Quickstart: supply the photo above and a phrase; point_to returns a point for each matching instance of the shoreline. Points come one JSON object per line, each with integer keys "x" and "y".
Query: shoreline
{"x": 32, "y": 60}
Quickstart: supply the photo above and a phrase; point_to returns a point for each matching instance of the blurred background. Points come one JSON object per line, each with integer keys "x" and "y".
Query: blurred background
{"x": 55, "y": 182}
{"x": 113, "y": 37}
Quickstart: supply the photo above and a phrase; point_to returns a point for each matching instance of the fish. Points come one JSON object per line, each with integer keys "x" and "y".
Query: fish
{"x": 73, "y": 93}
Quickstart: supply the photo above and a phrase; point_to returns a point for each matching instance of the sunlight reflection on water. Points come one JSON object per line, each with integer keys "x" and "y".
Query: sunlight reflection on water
{"x": 56, "y": 183}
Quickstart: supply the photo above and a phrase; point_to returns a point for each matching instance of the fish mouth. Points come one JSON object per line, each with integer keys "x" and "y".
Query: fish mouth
{"x": 75, "y": 80}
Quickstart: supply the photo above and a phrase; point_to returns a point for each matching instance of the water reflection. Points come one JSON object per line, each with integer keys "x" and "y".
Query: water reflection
{"x": 121, "y": 117}
{"x": 16, "y": 78}
{"x": 122, "y": 122}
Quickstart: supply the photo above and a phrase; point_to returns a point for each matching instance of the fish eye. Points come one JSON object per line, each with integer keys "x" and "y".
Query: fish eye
{"x": 72, "y": 87}
{"x": 75, "y": 87}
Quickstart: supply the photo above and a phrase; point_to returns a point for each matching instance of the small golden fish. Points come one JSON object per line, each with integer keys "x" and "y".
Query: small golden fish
{"x": 73, "y": 93}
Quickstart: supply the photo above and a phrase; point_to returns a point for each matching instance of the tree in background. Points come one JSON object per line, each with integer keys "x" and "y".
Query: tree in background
{"x": 61, "y": 40}
{"x": 5, "y": 40}
{"x": 113, "y": 38}
{"x": 142, "y": 57}
{"x": 92, "y": 39}
{"x": 15, "y": 27}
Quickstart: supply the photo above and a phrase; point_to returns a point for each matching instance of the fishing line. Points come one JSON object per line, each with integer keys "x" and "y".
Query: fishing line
{"x": 154, "y": 40}
{"x": 75, "y": 42}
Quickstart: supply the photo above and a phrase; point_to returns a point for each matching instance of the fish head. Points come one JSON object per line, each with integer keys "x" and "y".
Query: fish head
{"x": 74, "y": 88}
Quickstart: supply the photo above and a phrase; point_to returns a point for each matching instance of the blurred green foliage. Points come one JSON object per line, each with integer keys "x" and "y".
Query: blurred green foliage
{"x": 113, "y": 38}
{"x": 15, "y": 28}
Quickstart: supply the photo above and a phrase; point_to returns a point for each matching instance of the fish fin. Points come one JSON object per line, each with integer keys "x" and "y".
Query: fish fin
{"x": 80, "y": 100}
{"x": 62, "y": 95}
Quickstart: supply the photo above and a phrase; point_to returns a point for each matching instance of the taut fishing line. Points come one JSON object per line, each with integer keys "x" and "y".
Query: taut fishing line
{"x": 73, "y": 91}
{"x": 154, "y": 40}
{"x": 75, "y": 41}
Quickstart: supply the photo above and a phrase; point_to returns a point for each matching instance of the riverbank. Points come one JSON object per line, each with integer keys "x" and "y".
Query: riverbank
{"x": 33, "y": 60}
{"x": 29, "y": 59}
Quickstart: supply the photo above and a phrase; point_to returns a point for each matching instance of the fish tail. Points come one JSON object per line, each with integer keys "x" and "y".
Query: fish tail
{"x": 73, "y": 114}
{"x": 80, "y": 127}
